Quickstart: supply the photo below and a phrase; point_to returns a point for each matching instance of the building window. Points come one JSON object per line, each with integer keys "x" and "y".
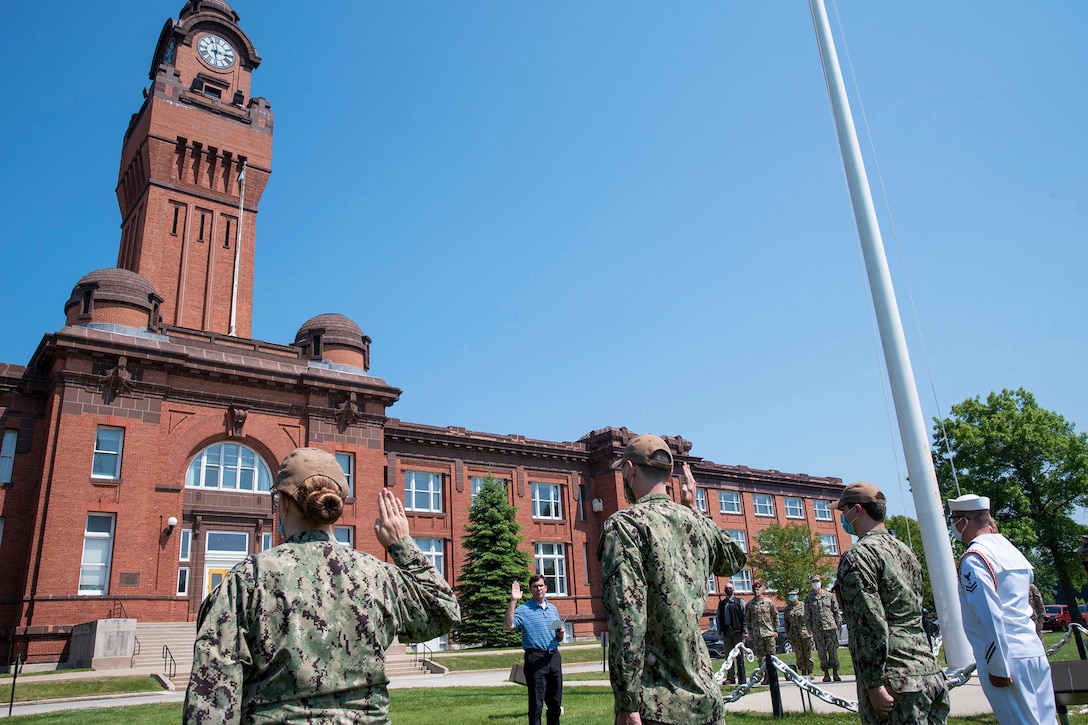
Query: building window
{"x": 729, "y": 502}
{"x": 795, "y": 508}
{"x": 585, "y": 560}
{"x": 266, "y": 541}
{"x": 742, "y": 581}
{"x": 581, "y": 502}
{"x": 477, "y": 482}
{"x": 822, "y": 510}
{"x": 178, "y": 224}
{"x": 2, "y": 532}
{"x": 226, "y": 232}
{"x": 739, "y": 536}
{"x": 186, "y": 545}
{"x": 712, "y": 584}
{"x": 345, "y": 536}
{"x": 183, "y": 581}
{"x": 551, "y": 563}
{"x": 435, "y": 551}
{"x": 108, "y": 443}
{"x": 347, "y": 462}
{"x": 423, "y": 491}
{"x": 829, "y": 543}
{"x": 763, "y": 504}
{"x": 205, "y": 226}
{"x": 94, "y": 570}
{"x": 7, "y": 454}
{"x": 230, "y": 467}
{"x": 546, "y": 503}
{"x": 700, "y": 499}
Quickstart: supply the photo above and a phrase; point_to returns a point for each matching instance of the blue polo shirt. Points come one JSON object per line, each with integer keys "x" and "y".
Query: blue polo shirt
{"x": 536, "y": 624}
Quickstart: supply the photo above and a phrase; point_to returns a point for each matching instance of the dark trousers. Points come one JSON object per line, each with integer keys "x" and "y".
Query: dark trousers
{"x": 730, "y": 641}
{"x": 544, "y": 677}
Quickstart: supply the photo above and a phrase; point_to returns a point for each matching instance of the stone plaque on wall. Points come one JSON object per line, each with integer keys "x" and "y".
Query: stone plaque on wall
{"x": 129, "y": 579}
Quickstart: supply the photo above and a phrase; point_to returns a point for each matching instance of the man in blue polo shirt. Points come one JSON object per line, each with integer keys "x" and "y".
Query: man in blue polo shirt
{"x": 541, "y": 633}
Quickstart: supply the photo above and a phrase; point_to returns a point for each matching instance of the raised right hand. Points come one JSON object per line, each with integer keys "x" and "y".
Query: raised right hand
{"x": 515, "y": 591}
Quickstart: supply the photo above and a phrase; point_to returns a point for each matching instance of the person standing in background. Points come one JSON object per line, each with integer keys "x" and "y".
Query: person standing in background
{"x": 731, "y": 631}
{"x": 824, "y": 621}
{"x": 797, "y": 633}
{"x": 761, "y": 616}
{"x": 540, "y": 638}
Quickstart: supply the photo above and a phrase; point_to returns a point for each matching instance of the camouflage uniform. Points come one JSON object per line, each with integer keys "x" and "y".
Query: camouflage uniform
{"x": 656, "y": 557}
{"x": 823, "y": 619}
{"x": 1038, "y": 609}
{"x": 800, "y": 639}
{"x": 761, "y": 616}
{"x": 298, "y": 633}
{"x": 880, "y": 591}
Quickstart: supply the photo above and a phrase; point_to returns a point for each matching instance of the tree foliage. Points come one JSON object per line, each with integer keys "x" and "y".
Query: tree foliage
{"x": 907, "y": 530}
{"x": 493, "y": 562}
{"x": 788, "y": 555}
{"x": 1032, "y": 465}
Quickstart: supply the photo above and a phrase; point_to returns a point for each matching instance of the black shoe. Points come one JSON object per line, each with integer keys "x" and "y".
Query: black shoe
{"x": 836, "y": 677}
{"x": 730, "y": 682}
{"x": 827, "y": 677}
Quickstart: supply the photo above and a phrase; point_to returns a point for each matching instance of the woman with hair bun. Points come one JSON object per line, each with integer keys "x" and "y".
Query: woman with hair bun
{"x": 297, "y": 633}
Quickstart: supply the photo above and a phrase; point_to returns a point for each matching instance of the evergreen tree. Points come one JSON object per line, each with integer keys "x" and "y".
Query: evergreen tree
{"x": 788, "y": 556}
{"x": 494, "y": 562}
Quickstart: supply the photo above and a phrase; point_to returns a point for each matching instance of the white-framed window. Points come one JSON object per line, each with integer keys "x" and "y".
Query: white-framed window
{"x": 229, "y": 467}
{"x": 740, "y": 536}
{"x": 344, "y": 535}
{"x": 729, "y": 502}
{"x": 700, "y": 499}
{"x": 742, "y": 581}
{"x": 266, "y": 541}
{"x": 7, "y": 454}
{"x": 581, "y": 502}
{"x": 546, "y": 501}
{"x": 477, "y": 482}
{"x": 108, "y": 444}
{"x": 185, "y": 551}
{"x": 712, "y": 584}
{"x": 763, "y": 504}
{"x": 795, "y": 508}
{"x": 821, "y": 510}
{"x": 830, "y": 543}
{"x": 347, "y": 463}
{"x": 435, "y": 551}
{"x": 423, "y": 491}
{"x": 551, "y": 563}
{"x": 183, "y": 581}
{"x": 94, "y": 570}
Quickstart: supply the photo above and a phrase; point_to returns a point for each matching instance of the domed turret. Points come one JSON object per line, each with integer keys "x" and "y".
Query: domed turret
{"x": 336, "y": 339}
{"x": 113, "y": 296}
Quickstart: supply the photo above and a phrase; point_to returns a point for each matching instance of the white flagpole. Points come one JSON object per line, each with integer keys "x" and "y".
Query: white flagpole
{"x": 237, "y": 251}
{"x": 912, "y": 430}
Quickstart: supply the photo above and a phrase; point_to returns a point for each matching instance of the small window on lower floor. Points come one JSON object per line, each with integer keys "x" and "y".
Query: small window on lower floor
{"x": 266, "y": 541}
{"x": 183, "y": 580}
{"x": 345, "y": 535}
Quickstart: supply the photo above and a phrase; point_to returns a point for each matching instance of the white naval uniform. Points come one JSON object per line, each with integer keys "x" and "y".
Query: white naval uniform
{"x": 994, "y": 581}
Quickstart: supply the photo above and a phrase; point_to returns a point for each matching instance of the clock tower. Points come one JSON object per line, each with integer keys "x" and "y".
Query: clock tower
{"x": 195, "y": 161}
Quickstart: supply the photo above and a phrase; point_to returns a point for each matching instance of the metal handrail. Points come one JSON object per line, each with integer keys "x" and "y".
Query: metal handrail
{"x": 169, "y": 665}
{"x": 417, "y": 660}
{"x": 135, "y": 650}
{"x": 14, "y": 677}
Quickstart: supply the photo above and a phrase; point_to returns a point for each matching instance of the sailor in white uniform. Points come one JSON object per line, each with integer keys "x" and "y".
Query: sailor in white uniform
{"x": 994, "y": 581}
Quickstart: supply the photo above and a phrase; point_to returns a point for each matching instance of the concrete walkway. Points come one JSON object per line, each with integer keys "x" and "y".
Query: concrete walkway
{"x": 967, "y": 700}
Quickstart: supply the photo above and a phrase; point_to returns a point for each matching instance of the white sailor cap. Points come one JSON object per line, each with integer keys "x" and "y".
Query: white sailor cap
{"x": 968, "y": 503}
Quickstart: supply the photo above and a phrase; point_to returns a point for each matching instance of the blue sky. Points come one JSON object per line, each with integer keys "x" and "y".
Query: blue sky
{"x": 554, "y": 217}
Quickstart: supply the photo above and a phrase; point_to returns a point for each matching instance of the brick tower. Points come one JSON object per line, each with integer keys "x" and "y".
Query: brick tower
{"x": 185, "y": 227}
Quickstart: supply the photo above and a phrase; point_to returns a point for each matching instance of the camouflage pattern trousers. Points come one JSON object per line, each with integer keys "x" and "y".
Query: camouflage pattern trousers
{"x": 762, "y": 646}
{"x": 802, "y": 651}
{"x": 928, "y": 705}
{"x": 827, "y": 645}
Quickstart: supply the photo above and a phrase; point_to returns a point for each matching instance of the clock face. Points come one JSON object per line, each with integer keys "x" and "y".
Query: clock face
{"x": 215, "y": 51}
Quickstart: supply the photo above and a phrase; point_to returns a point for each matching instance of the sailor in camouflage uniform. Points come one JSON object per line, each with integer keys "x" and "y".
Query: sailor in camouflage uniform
{"x": 797, "y": 633}
{"x": 823, "y": 619}
{"x": 879, "y": 587}
{"x": 761, "y": 617}
{"x": 656, "y": 556}
{"x": 297, "y": 633}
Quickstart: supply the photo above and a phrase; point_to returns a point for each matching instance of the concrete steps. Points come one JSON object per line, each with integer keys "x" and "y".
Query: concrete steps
{"x": 178, "y": 636}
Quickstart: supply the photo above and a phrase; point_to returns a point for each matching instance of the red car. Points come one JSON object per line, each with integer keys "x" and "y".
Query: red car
{"x": 1056, "y": 617}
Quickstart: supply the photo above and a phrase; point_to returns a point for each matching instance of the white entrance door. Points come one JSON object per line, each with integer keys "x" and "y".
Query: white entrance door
{"x": 222, "y": 550}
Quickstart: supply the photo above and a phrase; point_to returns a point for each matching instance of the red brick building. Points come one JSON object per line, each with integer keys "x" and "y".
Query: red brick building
{"x": 141, "y": 437}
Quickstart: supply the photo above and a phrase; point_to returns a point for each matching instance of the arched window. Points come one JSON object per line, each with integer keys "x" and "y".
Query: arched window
{"x": 229, "y": 467}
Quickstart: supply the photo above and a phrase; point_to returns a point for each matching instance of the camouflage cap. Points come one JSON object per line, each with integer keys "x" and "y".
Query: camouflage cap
{"x": 859, "y": 492}
{"x": 640, "y": 450}
{"x": 303, "y": 463}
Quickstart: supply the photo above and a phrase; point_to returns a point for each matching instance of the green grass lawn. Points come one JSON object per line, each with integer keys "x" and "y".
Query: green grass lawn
{"x": 502, "y": 660}
{"x": 30, "y": 691}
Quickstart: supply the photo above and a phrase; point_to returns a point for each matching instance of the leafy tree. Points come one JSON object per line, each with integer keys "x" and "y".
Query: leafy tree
{"x": 494, "y": 562}
{"x": 1034, "y": 468}
{"x": 907, "y": 530}
{"x": 788, "y": 556}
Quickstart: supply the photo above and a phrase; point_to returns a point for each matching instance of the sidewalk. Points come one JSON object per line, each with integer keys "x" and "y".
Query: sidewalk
{"x": 967, "y": 700}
